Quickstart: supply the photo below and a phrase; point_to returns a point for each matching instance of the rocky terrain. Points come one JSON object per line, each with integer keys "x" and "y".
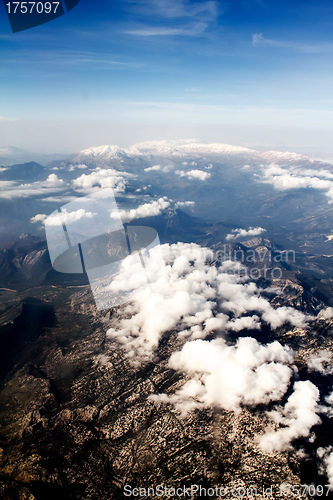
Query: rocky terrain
{"x": 76, "y": 422}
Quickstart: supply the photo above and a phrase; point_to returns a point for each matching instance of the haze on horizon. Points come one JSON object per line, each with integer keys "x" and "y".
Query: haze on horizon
{"x": 254, "y": 73}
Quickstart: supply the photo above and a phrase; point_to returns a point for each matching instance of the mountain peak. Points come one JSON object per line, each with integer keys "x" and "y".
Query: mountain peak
{"x": 104, "y": 150}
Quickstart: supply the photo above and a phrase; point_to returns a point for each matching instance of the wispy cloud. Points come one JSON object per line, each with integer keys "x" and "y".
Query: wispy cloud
{"x": 176, "y": 9}
{"x": 7, "y": 119}
{"x": 10, "y": 189}
{"x": 261, "y": 3}
{"x": 193, "y": 30}
{"x": 259, "y": 40}
{"x": 187, "y": 18}
{"x": 73, "y": 58}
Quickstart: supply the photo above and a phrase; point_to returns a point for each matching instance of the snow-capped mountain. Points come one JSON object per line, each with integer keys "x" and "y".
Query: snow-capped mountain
{"x": 186, "y": 147}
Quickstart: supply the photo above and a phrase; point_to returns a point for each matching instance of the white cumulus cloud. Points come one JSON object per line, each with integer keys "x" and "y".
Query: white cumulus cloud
{"x": 293, "y": 177}
{"x": 65, "y": 217}
{"x": 38, "y": 218}
{"x": 188, "y": 294}
{"x": 321, "y": 362}
{"x": 184, "y": 204}
{"x": 194, "y": 174}
{"x": 244, "y": 233}
{"x": 102, "y": 178}
{"x": 159, "y": 168}
{"x": 295, "y": 419}
{"x": 326, "y": 455}
{"x": 229, "y": 376}
{"x": 326, "y": 313}
{"x": 146, "y": 210}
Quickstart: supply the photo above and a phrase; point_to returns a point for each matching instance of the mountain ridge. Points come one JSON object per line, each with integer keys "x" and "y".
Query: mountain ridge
{"x": 185, "y": 147}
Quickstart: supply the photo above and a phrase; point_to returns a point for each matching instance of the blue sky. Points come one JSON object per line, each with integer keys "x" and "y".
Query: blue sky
{"x": 240, "y": 71}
